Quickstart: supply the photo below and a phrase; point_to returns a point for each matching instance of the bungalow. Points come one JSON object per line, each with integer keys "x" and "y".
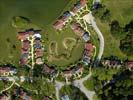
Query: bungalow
{"x": 4, "y": 96}
{"x": 77, "y": 29}
{"x": 5, "y": 71}
{"x": 21, "y": 93}
{"x": 129, "y": 65}
{"x": 80, "y": 4}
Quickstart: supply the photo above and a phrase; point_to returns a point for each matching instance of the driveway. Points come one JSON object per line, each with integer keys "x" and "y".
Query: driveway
{"x": 91, "y": 20}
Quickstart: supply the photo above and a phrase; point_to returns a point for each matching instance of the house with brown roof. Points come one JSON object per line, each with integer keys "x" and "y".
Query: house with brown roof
{"x": 78, "y": 30}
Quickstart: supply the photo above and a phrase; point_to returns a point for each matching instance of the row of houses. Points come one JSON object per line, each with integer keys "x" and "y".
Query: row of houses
{"x": 30, "y": 38}
{"x": 117, "y": 64}
{"x": 79, "y": 31}
{"x": 6, "y": 71}
{"x": 61, "y": 21}
{"x": 38, "y": 50}
{"x": 88, "y": 53}
{"x": 77, "y": 71}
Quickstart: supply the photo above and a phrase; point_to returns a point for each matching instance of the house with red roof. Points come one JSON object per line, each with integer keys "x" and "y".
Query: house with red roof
{"x": 60, "y": 23}
{"x": 78, "y": 6}
{"x": 5, "y": 71}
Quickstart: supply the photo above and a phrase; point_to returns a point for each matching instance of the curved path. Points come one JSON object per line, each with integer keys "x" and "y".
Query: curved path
{"x": 79, "y": 84}
{"x": 90, "y": 20}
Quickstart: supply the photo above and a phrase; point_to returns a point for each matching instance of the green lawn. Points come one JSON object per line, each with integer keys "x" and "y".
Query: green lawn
{"x": 59, "y": 37}
{"x": 121, "y": 11}
{"x": 41, "y": 12}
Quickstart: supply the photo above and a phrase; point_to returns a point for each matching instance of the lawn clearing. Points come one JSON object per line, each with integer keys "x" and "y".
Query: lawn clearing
{"x": 41, "y": 12}
{"x": 121, "y": 11}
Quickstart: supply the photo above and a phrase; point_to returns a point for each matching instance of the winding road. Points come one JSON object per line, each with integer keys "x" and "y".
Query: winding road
{"x": 91, "y": 20}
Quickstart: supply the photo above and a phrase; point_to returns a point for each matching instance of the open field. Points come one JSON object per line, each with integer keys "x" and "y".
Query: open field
{"x": 121, "y": 11}
{"x": 42, "y": 13}
{"x": 59, "y": 37}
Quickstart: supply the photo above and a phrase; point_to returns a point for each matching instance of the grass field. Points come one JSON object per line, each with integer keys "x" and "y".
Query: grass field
{"x": 41, "y": 13}
{"x": 121, "y": 10}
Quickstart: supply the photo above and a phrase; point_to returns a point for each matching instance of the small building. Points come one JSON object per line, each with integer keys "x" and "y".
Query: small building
{"x": 129, "y": 65}
{"x": 65, "y": 97}
{"x": 86, "y": 37}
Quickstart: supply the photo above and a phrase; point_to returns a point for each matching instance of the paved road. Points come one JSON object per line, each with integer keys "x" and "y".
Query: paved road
{"x": 90, "y": 20}
{"x": 58, "y": 86}
{"x": 79, "y": 84}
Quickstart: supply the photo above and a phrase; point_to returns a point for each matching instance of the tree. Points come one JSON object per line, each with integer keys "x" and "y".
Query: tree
{"x": 115, "y": 29}
{"x": 126, "y": 44}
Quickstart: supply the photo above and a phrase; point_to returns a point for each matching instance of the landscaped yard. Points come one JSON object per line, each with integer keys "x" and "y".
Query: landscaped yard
{"x": 121, "y": 10}
{"x": 42, "y": 13}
